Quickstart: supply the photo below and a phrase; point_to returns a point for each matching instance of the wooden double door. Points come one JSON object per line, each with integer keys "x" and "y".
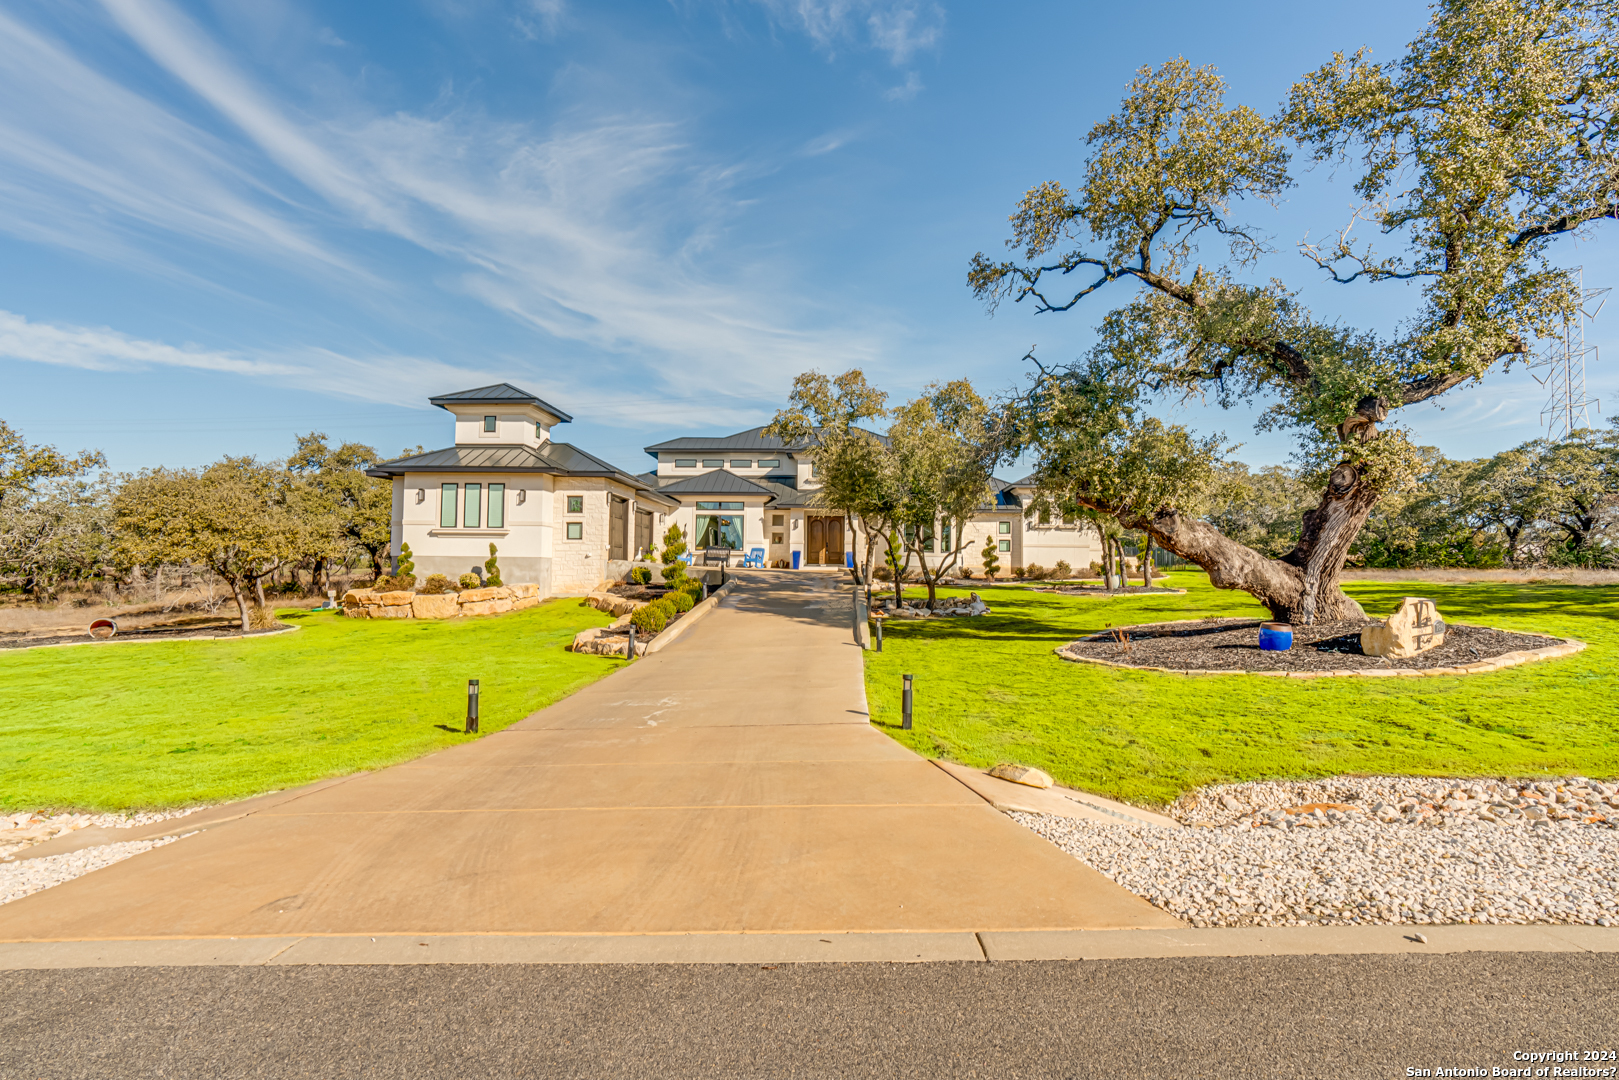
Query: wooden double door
{"x": 825, "y": 541}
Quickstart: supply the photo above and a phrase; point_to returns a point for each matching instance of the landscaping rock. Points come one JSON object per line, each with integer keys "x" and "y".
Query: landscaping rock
{"x": 477, "y": 596}
{"x": 1021, "y": 774}
{"x": 1414, "y": 628}
{"x": 392, "y": 599}
{"x": 613, "y": 605}
{"x": 522, "y": 602}
{"x": 524, "y": 592}
{"x": 359, "y": 596}
{"x": 442, "y": 606}
{"x": 486, "y": 607}
{"x": 395, "y": 611}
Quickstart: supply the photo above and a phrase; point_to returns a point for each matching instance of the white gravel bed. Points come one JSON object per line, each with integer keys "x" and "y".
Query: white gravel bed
{"x": 20, "y": 831}
{"x": 1368, "y": 850}
{"x": 20, "y": 879}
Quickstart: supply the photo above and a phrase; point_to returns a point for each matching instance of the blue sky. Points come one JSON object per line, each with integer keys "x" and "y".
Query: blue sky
{"x": 225, "y": 223}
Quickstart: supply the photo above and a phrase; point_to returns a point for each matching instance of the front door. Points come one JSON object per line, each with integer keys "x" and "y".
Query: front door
{"x": 643, "y": 532}
{"x": 618, "y": 512}
{"x": 817, "y": 540}
{"x": 834, "y": 542}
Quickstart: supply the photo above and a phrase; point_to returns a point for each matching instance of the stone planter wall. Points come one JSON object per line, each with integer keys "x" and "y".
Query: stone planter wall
{"x": 370, "y": 604}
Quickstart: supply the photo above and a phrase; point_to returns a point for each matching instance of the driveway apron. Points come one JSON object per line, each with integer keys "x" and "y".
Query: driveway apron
{"x": 730, "y": 783}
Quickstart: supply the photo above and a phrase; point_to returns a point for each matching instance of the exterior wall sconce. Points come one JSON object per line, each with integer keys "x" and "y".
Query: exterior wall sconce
{"x": 522, "y": 496}
{"x": 421, "y": 495}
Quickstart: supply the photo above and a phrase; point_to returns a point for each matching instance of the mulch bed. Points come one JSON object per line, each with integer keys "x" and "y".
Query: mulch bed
{"x": 156, "y": 633}
{"x": 648, "y": 593}
{"x": 1099, "y": 590}
{"x": 1233, "y": 645}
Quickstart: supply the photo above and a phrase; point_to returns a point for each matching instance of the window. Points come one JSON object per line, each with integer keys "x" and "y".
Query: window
{"x": 446, "y": 507}
{"x": 778, "y": 520}
{"x": 685, "y": 463}
{"x": 721, "y": 528}
{"x": 713, "y": 463}
{"x": 1006, "y": 545}
{"x": 497, "y": 506}
{"x": 576, "y": 530}
{"x": 944, "y": 536}
{"x": 741, "y": 463}
{"x": 815, "y": 470}
{"x": 719, "y": 506}
{"x": 539, "y": 430}
{"x": 773, "y": 463}
{"x": 1006, "y": 527}
{"x": 576, "y": 505}
{"x": 775, "y": 538}
{"x": 474, "y": 504}
{"x": 489, "y": 423}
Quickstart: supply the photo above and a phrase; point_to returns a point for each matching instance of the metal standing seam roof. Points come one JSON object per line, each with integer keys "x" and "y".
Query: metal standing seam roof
{"x": 718, "y": 482}
{"x": 558, "y": 459}
{"x": 751, "y": 439}
{"x": 498, "y": 394}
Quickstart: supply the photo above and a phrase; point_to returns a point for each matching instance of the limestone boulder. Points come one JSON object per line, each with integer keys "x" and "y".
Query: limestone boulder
{"x": 613, "y": 605}
{"x": 486, "y": 607}
{"x": 393, "y": 599}
{"x": 524, "y": 592}
{"x": 356, "y": 611}
{"x": 1415, "y": 627}
{"x": 359, "y": 596}
{"x": 1021, "y": 774}
{"x": 389, "y": 611}
{"x": 521, "y": 602}
{"x": 479, "y": 596}
{"x": 440, "y": 606}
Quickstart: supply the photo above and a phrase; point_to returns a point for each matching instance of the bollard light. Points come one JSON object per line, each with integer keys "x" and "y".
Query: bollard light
{"x": 905, "y": 721}
{"x": 879, "y": 624}
{"x": 629, "y": 651}
{"x": 472, "y": 706}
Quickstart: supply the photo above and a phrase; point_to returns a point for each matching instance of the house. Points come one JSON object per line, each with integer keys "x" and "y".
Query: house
{"x": 560, "y": 518}
{"x": 750, "y": 490}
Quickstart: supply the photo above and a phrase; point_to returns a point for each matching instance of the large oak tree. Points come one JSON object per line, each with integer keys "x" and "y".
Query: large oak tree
{"x": 1489, "y": 141}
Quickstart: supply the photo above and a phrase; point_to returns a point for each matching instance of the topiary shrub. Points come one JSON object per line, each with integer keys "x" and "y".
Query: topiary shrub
{"x": 682, "y": 601}
{"x": 649, "y": 620}
{"x": 1062, "y": 569}
{"x": 641, "y": 575}
{"x": 491, "y": 571}
{"x": 437, "y": 584}
{"x": 407, "y": 566}
{"x": 992, "y": 562}
{"x": 674, "y": 546}
{"x": 470, "y": 581}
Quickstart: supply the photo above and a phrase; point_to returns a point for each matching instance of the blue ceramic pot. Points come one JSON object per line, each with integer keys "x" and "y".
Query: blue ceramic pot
{"x": 1275, "y": 636}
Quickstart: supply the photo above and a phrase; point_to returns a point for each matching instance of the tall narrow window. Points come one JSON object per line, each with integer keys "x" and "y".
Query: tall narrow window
{"x": 944, "y": 538}
{"x": 446, "y": 507}
{"x": 489, "y": 423}
{"x": 497, "y": 506}
{"x": 474, "y": 511}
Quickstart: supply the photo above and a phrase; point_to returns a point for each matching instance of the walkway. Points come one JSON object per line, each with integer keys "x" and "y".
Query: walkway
{"x": 730, "y": 783}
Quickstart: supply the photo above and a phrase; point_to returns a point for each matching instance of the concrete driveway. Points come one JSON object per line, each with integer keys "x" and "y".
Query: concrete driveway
{"x": 729, "y": 784}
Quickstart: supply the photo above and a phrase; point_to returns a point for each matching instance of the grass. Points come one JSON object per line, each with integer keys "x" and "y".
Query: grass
{"x": 143, "y": 726}
{"x": 991, "y": 690}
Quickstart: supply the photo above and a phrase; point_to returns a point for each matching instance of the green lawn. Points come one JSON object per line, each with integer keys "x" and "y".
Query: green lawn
{"x": 991, "y": 690}
{"x": 124, "y": 726}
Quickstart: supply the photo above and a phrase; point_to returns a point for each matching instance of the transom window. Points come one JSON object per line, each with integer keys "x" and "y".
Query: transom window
{"x": 741, "y": 463}
{"x": 772, "y": 463}
{"x": 576, "y": 505}
{"x": 686, "y": 463}
{"x": 713, "y": 463}
{"x": 489, "y": 423}
{"x": 720, "y": 506}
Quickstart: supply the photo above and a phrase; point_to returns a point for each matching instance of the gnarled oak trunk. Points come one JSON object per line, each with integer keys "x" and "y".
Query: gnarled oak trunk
{"x": 1302, "y": 586}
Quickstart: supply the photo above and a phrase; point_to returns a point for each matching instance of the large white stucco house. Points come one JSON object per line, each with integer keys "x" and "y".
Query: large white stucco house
{"x": 566, "y": 521}
{"x": 560, "y": 518}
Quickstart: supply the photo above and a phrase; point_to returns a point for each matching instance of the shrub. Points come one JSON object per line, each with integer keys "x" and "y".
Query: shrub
{"x": 674, "y": 546}
{"x": 491, "y": 571}
{"x": 437, "y": 584}
{"x": 649, "y": 620}
{"x": 470, "y": 581}
{"x": 1062, "y": 569}
{"x": 666, "y": 605}
{"x": 682, "y": 601}
{"x": 883, "y": 573}
{"x": 260, "y": 618}
{"x": 395, "y": 583}
{"x": 992, "y": 562}
{"x": 1095, "y": 568}
{"x": 966, "y": 573}
{"x": 407, "y": 566}
{"x": 1035, "y": 572}
{"x": 1017, "y": 571}
{"x": 641, "y": 575}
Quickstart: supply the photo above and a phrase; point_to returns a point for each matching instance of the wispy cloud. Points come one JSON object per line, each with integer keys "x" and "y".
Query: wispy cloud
{"x": 597, "y": 229}
{"x": 900, "y": 28}
{"x": 906, "y": 90}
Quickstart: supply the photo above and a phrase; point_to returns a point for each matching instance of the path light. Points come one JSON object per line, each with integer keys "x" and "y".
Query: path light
{"x": 472, "y": 705}
{"x": 905, "y": 722}
{"x": 879, "y": 624}
{"x": 629, "y": 651}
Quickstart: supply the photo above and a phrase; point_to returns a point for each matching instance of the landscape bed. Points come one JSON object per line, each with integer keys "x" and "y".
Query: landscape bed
{"x": 1233, "y": 645}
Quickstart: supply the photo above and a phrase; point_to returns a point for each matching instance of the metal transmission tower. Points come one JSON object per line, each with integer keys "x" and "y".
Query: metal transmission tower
{"x": 1568, "y": 409}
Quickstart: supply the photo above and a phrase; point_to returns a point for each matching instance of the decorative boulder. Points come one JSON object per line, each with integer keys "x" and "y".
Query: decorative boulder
{"x": 1415, "y": 628}
{"x": 1021, "y": 774}
{"x": 486, "y": 607}
{"x": 440, "y": 606}
{"x": 393, "y": 599}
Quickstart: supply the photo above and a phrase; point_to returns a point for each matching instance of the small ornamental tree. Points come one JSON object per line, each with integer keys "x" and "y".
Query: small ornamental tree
{"x": 992, "y": 562}
{"x": 407, "y": 565}
{"x": 491, "y": 570}
{"x": 894, "y": 559}
{"x": 674, "y": 546}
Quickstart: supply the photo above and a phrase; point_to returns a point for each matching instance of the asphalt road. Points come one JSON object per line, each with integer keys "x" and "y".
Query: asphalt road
{"x": 1346, "y": 1018}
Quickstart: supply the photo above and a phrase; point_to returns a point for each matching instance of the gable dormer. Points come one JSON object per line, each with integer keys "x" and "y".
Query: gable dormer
{"x": 500, "y": 415}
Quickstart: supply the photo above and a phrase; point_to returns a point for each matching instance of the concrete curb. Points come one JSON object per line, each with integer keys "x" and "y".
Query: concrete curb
{"x": 800, "y": 948}
{"x": 1563, "y": 647}
{"x": 685, "y": 621}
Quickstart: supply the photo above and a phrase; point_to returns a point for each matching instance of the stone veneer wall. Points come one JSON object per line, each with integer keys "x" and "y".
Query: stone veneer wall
{"x": 370, "y": 604}
{"x": 577, "y": 566}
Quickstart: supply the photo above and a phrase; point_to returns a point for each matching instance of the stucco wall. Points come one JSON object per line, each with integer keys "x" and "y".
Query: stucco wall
{"x": 524, "y": 542}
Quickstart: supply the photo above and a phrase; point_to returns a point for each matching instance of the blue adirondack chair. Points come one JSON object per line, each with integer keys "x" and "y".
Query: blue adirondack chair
{"x": 755, "y": 557}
